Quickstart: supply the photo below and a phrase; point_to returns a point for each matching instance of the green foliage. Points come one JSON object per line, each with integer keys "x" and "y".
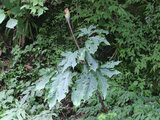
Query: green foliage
{"x": 84, "y": 87}
{"x": 11, "y": 23}
{"x": 12, "y": 114}
{"x": 59, "y": 87}
{"x": 36, "y": 7}
{"x": 69, "y": 61}
{"x": 122, "y": 104}
{"x": 2, "y": 16}
{"x": 19, "y": 19}
{"x": 109, "y": 116}
{"x": 91, "y": 78}
{"x": 43, "y": 75}
{"x": 133, "y": 27}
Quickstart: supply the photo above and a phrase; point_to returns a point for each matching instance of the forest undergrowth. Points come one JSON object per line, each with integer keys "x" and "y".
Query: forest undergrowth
{"x": 104, "y": 66}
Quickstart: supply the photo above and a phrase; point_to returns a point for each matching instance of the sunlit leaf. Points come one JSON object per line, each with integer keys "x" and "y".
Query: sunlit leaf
{"x": 11, "y": 23}
{"x": 59, "y": 87}
{"x": 109, "y": 73}
{"x": 93, "y": 43}
{"x": 91, "y": 62}
{"x": 91, "y": 30}
{"x": 69, "y": 61}
{"x": 110, "y": 64}
{"x": 102, "y": 84}
{"x": 46, "y": 75}
{"x": 85, "y": 86}
{"x": 40, "y": 11}
{"x": 81, "y": 54}
{"x": 2, "y": 16}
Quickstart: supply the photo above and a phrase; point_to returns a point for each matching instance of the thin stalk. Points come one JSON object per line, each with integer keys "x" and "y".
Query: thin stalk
{"x": 72, "y": 33}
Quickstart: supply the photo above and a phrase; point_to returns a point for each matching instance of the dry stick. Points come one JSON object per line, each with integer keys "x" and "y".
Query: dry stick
{"x": 98, "y": 93}
{"x": 72, "y": 33}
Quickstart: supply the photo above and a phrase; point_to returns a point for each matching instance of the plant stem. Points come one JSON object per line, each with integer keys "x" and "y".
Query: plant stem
{"x": 72, "y": 33}
{"x": 101, "y": 101}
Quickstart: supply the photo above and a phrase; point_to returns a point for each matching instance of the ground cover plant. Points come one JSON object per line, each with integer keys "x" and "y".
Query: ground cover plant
{"x": 79, "y": 59}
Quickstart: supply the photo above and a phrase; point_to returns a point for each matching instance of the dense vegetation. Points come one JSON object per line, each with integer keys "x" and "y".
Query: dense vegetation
{"x": 110, "y": 70}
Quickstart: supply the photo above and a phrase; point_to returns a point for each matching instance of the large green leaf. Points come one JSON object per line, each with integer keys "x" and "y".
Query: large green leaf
{"x": 93, "y": 43}
{"x": 11, "y": 23}
{"x": 92, "y": 46}
{"x": 2, "y": 16}
{"x": 109, "y": 73}
{"x": 81, "y": 54}
{"x": 107, "y": 69}
{"x": 85, "y": 86}
{"x": 59, "y": 87}
{"x": 46, "y": 75}
{"x": 91, "y": 62}
{"x": 43, "y": 81}
{"x": 85, "y": 31}
{"x": 69, "y": 61}
{"x": 110, "y": 64}
{"x": 100, "y": 31}
{"x": 102, "y": 84}
{"x": 91, "y": 30}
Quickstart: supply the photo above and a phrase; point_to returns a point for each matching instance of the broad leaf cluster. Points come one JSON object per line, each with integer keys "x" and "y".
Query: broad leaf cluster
{"x": 91, "y": 77}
